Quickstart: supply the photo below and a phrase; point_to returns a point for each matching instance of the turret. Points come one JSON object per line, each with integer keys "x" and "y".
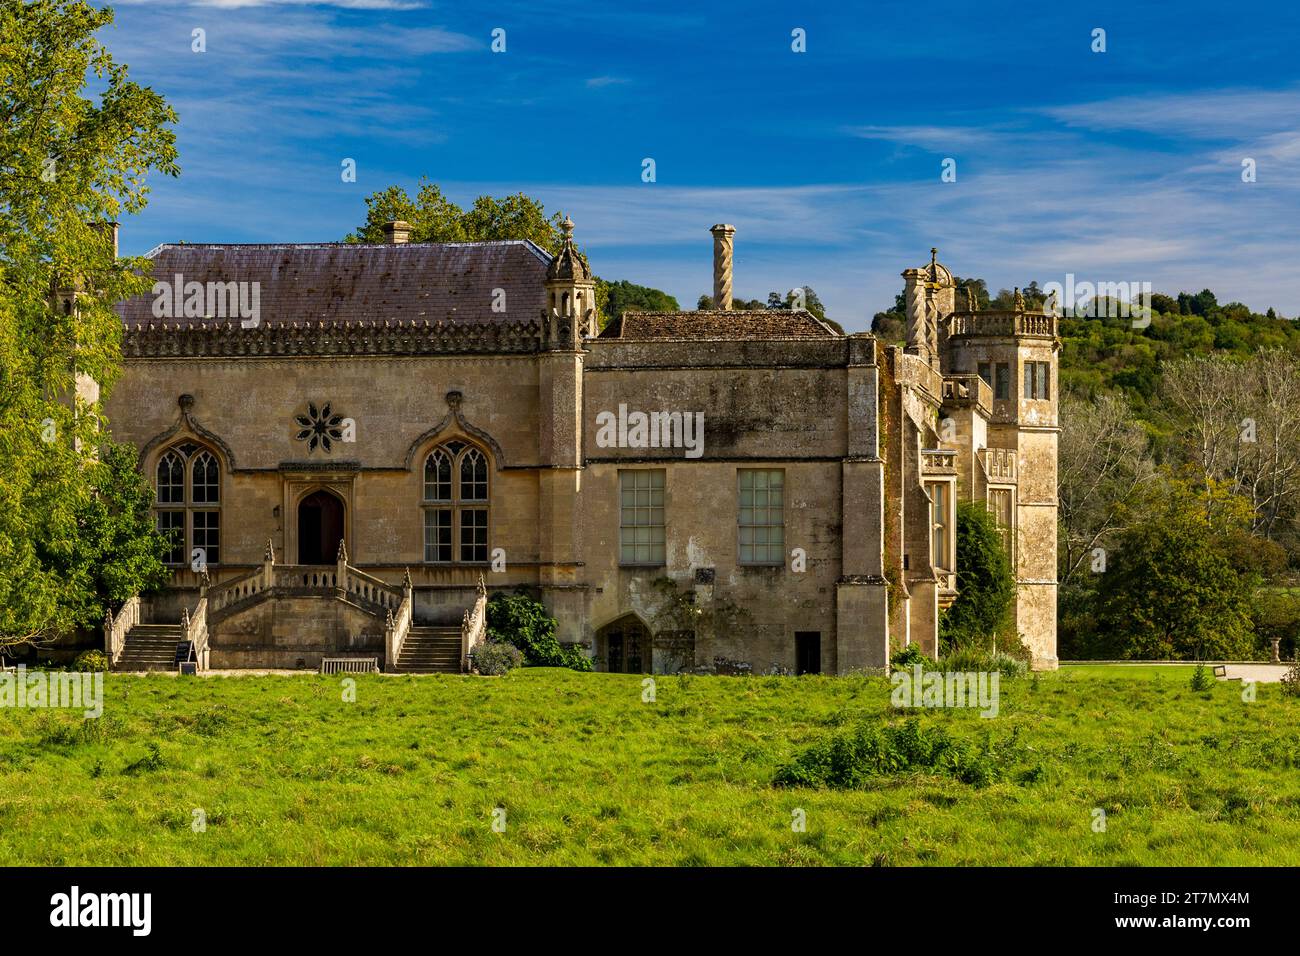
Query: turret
{"x": 570, "y": 295}
{"x": 1016, "y": 352}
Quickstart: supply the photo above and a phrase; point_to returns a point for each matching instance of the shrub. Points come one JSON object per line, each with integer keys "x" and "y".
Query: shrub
{"x": 524, "y": 622}
{"x": 91, "y": 661}
{"x": 1202, "y": 678}
{"x": 973, "y": 660}
{"x": 908, "y": 657}
{"x": 492, "y": 658}
{"x": 1291, "y": 679}
{"x": 848, "y": 760}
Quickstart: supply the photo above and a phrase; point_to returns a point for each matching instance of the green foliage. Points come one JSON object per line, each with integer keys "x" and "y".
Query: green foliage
{"x": 91, "y": 661}
{"x": 1202, "y": 678}
{"x": 909, "y": 657}
{"x": 65, "y": 161}
{"x": 493, "y": 658}
{"x": 435, "y": 218}
{"x": 614, "y": 298}
{"x": 1275, "y": 614}
{"x": 969, "y": 660}
{"x": 986, "y": 585}
{"x": 523, "y": 621}
{"x": 1177, "y": 585}
{"x": 850, "y": 760}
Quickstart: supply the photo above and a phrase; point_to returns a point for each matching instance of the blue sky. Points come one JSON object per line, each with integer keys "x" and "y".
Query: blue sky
{"x": 1115, "y": 166}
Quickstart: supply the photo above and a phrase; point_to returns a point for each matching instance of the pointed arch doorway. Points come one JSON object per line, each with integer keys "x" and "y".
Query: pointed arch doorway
{"x": 320, "y": 528}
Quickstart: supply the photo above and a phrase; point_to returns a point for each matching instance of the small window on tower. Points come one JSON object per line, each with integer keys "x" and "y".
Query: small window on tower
{"x": 1002, "y": 387}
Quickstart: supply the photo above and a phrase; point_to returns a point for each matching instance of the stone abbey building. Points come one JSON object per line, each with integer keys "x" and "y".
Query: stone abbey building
{"x": 345, "y": 438}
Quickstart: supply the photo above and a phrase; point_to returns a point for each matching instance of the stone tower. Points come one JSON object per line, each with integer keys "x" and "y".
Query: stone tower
{"x": 1016, "y": 353}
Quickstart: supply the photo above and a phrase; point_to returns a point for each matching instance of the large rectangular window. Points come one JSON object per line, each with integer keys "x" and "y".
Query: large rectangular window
{"x": 1000, "y": 505}
{"x": 940, "y": 523}
{"x": 762, "y": 516}
{"x": 1037, "y": 385}
{"x": 473, "y": 534}
{"x": 171, "y": 525}
{"x": 207, "y": 535}
{"x": 437, "y": 534}
{"x": 641, "y": 517}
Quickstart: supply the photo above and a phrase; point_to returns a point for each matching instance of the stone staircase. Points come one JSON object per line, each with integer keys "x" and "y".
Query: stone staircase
{"x": 430, "y": 650}
{"x": 150, "y": 647}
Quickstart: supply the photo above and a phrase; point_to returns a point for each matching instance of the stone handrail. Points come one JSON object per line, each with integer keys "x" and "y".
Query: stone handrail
{"x": 473, "y": 628}
{"x": 370, "y": 588}
{"x": 115, "y": 628}
{"x": 230, "y": 592}
{"x": 194, "y": 628}
{"x": 398, "y": 625}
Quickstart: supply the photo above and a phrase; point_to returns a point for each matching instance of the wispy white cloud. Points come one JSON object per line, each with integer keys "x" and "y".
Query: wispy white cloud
{"x": 596, "y": 82}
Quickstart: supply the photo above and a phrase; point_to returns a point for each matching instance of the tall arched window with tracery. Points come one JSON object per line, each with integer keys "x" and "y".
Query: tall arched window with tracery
{"x": 188, "y": 482}
{"x": 455, "y": 504}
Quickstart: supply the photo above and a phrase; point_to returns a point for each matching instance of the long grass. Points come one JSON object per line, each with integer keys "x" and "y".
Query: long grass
{"x": 284, "y": 770}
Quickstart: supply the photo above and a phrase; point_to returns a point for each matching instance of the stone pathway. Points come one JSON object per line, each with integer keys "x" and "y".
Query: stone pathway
{"x": 1263, "y": 673}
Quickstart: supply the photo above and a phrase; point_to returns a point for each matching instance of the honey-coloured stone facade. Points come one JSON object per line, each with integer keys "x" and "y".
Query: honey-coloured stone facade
{"x": 818, "y": 495}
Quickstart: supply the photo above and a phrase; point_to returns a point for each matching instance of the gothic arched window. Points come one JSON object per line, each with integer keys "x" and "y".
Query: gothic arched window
{"x": 188, "y": 504}
{"x": 455, "y": 504}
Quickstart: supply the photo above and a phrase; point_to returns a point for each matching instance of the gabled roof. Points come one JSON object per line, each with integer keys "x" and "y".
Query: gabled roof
{"x": 345, "y": 283}
{"x": 719, "y": 325}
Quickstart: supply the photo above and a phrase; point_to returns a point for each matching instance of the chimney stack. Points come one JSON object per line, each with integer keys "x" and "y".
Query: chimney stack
{"x": 722, "y": 255}
{"x": 397, "y": 232}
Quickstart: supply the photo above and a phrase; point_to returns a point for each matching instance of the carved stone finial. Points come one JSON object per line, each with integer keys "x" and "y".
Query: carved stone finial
{"x": 482, "y": 589}
{"x": 1019, "y": 301}
{"x": 186, "y": 402}
{"x": 406, "y": 578}
{"x": 567, "y": 226}
{"x": 972, "y": 298}
{"x": 454, "y": 400}
{"x": 268, "y": 556}
{"x": 389, "y": 620}
{"x": 185, "y": 621}
{"x": 343, "y": 551}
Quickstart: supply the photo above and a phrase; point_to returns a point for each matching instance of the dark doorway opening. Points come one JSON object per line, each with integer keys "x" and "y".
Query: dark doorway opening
{"x": 807, "y": 652}
{"x": 625, "y": 645}
{"x": 320, "y": 528}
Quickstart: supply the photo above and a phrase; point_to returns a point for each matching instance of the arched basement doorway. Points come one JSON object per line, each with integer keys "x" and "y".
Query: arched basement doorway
{"x": 320, "y": 528}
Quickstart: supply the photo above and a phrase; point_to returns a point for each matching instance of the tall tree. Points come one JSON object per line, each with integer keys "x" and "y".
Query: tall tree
{"x": 66, "y": 162}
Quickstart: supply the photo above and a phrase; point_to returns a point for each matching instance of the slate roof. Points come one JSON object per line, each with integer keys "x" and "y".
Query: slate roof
{"x": 346, "y": 283}
{"x": 719, "y": 325}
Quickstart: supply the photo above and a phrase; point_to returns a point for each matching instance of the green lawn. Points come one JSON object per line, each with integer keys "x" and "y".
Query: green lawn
{"x": 286, "y": 772}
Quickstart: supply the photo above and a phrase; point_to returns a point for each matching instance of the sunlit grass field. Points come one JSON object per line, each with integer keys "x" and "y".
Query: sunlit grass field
{"x": 285, "y": 771}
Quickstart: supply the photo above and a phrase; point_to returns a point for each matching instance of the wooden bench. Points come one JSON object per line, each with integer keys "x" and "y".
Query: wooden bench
{"x": 349, "y": 665}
